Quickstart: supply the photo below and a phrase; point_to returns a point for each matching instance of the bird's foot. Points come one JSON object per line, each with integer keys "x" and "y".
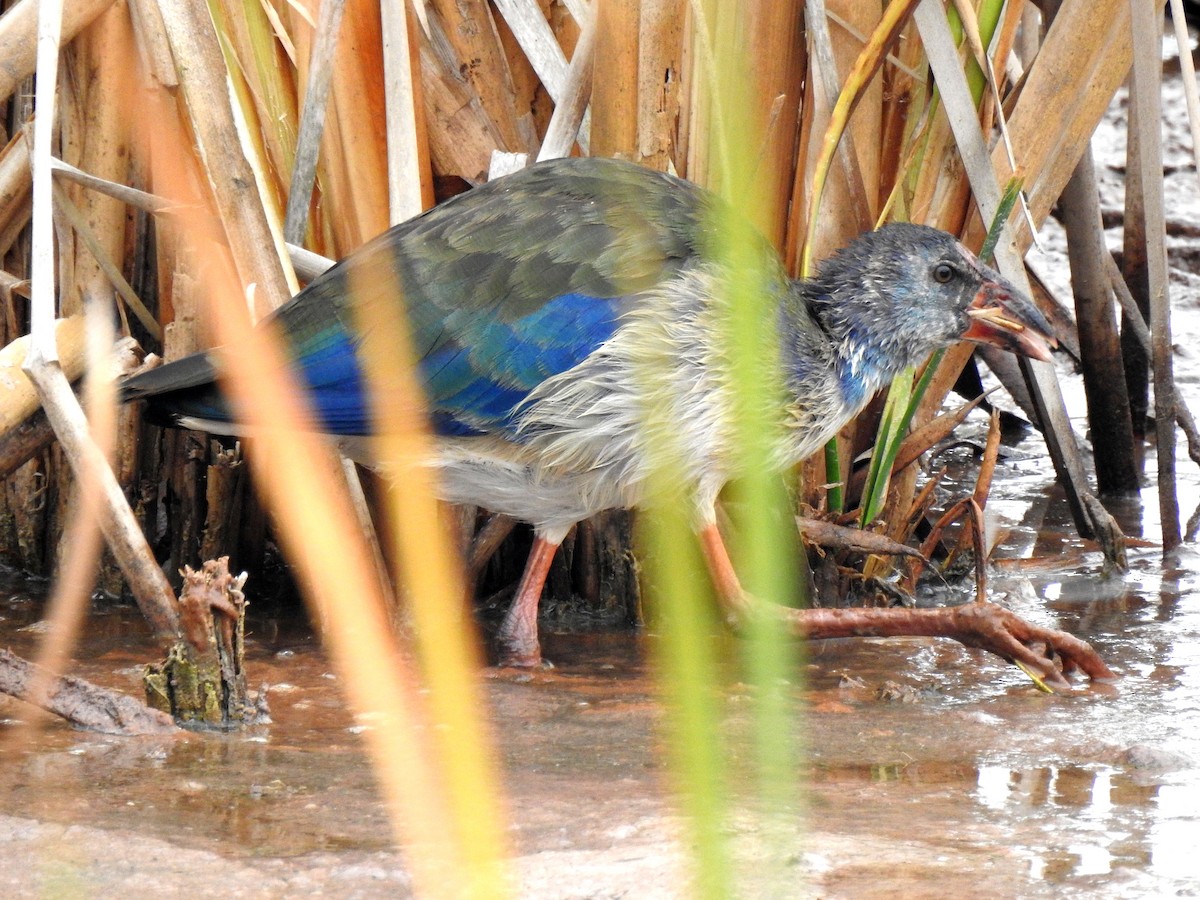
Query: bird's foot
{"x": 512, "y": 658}
{"x": 517, "y": 643}
{"x": 518, "y": 635}
{"x": 1045, "y": 653}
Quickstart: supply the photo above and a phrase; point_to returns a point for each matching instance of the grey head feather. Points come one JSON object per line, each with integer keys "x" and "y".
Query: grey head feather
{"x": 880, "y": 302}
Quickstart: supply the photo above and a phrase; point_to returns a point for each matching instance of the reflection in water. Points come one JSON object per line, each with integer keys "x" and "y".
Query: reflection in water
{"x": 1114, "y": 813}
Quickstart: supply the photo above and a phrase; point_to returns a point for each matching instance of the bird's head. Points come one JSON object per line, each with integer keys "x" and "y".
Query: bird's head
{"x": 893, "y": 296}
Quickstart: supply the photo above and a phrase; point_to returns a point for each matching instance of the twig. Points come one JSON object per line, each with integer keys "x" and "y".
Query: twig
{"x": 566, "y": 125}
{"x": 312, "y": 120}
{"x": 123, "y": 288}
{"x": 860, "y": 540}
{"x": 128, "y": 195}
{"x": 1137, "y": 325}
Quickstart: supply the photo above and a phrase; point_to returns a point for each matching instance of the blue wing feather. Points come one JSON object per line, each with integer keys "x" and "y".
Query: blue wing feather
{"x": 503, "y": 286}
{"x": 474, "y": 384}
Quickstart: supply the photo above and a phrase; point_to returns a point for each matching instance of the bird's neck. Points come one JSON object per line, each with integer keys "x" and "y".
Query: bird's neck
{"x": 859, "y": 351}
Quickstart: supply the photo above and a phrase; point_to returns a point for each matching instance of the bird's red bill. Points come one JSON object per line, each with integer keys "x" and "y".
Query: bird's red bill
{"x": 1000, "y": 316}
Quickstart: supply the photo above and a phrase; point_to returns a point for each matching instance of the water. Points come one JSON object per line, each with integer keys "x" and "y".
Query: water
{"x": 933, "y": 770}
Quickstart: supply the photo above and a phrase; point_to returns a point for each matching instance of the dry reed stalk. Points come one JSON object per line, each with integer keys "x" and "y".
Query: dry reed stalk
{"x": 463, "y": 142}
{"x": 1103, "y": 374}
{"x": 18, "y": 36}
{"x": 353, "y": 143}
{"x": 14, "y": 186}
{"x": 903, "y": 124}
{"x": 18, "y": 396}
{"x": 15, "y": 228}
{"x": 21, "y": 444}
{"x": 264, "y": 82}
{"x": 475, "y": 44}
{"x": 200, "y": 66}
{"x": 849, "y": 205}
{"x": 540, "y": 48}
{"x": 531, "y": 96}
{"x": 567, "y": 121}
{"x": 615, "y": 83}
{"x": 776, "y": 32}
{"x": 1090, "y": 40}
{"x": 154, "y": 50}
{"x": 1003, "y": 44}
{"x": 312, "y": 121}
{"x": 660, "y": 79}
{"x": 410, "y": 180}
{"x": 691, "y": 154}
{"x": 1146, "y": 95}
{"x": 104, "y": 274}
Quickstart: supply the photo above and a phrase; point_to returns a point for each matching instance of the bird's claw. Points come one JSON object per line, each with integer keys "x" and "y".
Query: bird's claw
{"x": 1045, "y": 654}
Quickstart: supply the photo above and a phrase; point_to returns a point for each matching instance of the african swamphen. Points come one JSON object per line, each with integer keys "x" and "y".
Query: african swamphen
{"x": 535, "y": 301}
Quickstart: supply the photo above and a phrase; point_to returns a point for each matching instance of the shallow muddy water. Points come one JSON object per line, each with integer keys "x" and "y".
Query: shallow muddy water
{"x": 932, "y": 770}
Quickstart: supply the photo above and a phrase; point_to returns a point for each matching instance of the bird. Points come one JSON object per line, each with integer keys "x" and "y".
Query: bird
{"x": 537, "y": 303}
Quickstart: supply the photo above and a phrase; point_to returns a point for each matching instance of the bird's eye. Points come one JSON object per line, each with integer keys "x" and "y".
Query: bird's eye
{"x": 943, "y": 272}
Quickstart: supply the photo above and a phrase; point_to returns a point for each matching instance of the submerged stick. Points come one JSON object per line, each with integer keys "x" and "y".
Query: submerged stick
{"x": 80, "y": 702}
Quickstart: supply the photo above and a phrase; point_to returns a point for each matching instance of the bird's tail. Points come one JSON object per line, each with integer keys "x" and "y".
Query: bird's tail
{"x": 182, "y": 394}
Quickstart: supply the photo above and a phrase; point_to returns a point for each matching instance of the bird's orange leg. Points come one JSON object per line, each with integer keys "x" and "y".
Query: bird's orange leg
{"x": 733, "y": 599}
{"x": 518, "y": 636}
{"x": 976, "y": 624}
